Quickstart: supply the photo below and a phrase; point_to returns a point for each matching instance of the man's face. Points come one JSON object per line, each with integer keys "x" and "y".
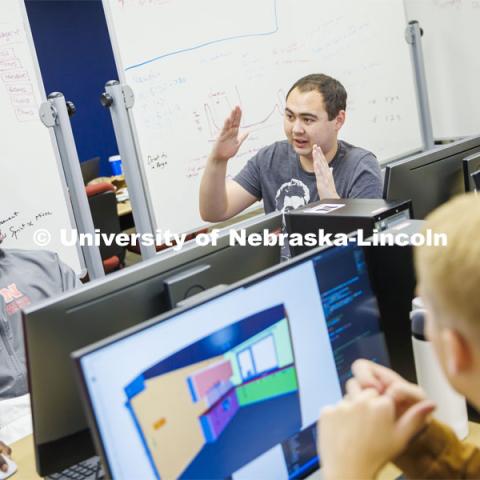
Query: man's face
{"x": 306, "y": 123}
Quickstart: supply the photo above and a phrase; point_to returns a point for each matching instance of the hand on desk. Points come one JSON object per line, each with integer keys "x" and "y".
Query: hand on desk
{"x": 379, "y": 415}
{"x": 7, "y": 466}
{"x": 4, "y": 450}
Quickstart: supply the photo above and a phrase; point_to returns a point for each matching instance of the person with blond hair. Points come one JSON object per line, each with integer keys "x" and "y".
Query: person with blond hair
{"x": 383, "y": 417}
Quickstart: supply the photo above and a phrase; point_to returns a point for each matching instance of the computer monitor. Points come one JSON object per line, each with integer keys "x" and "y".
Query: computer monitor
{"x": 54, "y": 328}
{"x": 430, "y": 178}
{"x": 232, "y": 386}
{"x": 471, "y": 172}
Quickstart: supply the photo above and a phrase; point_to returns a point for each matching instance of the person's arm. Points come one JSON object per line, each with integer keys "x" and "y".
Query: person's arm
{"x": 4, "y": 450}
{"x": 68, "y": 277}
{"x": 221, "y": 199}
{"x": 436, "y": 452}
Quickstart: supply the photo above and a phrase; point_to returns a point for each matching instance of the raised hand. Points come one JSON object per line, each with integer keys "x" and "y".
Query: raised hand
{"x": 230, "y": 139}
{"x": 325, "y": 183}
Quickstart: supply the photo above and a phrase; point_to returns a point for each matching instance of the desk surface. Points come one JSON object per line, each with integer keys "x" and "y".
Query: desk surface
{"x": 24, "y": 457}
{"x": 22, "y": 454}
{"x": 124, "y": 208}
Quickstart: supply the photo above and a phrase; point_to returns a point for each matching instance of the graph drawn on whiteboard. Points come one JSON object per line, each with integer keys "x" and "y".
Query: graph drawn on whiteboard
{"x": 35, "y": 204}
{"x": 187, "y": 78}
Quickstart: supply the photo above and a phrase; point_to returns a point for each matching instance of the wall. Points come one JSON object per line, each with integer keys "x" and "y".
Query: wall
{"x": 76, "y": 58}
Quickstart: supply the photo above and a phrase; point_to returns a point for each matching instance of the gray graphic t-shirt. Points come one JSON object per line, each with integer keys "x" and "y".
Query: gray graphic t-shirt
{"x": 276, "y": 175}
{"x": 26, "y": 277}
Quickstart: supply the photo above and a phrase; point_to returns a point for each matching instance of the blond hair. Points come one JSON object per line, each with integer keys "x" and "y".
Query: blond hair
{"x": 453, "y": 271}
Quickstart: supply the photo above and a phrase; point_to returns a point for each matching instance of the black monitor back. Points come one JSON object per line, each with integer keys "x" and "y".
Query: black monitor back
{"x": 57, "y": 327}
{"x": 430, "y": 178}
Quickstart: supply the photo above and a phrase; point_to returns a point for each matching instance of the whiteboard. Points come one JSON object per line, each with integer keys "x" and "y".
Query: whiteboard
{"x": 452, "y": 63}
{"x": 32, "y": 187}
{"x": 190, "y": 61}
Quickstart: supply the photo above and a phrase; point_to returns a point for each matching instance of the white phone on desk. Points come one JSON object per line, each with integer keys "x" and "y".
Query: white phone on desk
{"x": 12, "y": 468}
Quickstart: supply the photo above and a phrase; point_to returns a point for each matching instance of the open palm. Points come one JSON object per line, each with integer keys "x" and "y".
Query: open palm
{"x": 229, "y": 141}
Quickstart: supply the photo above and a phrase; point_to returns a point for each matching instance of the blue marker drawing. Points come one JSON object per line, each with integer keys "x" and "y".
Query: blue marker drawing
{"x": 212, "y": 42}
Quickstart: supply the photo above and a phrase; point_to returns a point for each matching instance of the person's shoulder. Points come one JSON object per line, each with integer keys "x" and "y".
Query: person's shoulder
{"x": 357, "y": 153}
{"x": 357, "y": 156}
{"x": 34, "y": 257}
{"x": 276, "y": 149}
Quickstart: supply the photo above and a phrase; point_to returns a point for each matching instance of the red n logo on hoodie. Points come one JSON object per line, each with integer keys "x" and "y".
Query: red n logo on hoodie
{"x": 10, "y": 293}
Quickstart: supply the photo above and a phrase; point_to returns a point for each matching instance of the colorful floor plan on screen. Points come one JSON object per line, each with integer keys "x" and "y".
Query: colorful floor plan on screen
{"x": 217, "y": 404}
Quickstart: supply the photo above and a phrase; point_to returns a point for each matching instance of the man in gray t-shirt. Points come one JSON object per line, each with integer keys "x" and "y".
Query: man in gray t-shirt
{"x": 276, "y": 175}
{"x": 26, "y": 277}
{"x": 311, "y": 164}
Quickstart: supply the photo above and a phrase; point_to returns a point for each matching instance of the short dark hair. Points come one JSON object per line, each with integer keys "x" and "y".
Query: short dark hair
{"x": 333, "y": 92}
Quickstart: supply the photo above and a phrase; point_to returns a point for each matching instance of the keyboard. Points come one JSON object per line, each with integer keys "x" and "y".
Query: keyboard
{"x": 89, "y": 469}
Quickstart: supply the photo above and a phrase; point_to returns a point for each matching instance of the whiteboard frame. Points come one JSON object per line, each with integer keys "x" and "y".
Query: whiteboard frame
{"x": 431, "y": 92}
{"x": 138, "y": 150}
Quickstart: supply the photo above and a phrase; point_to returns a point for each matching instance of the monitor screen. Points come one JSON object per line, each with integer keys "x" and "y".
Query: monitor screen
{"x": 232, "y": 387}
{"x": 99, "y": 309}
{"x": 430, "y": 178}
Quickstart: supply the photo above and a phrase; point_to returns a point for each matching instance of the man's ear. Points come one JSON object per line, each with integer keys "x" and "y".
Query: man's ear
{"x": 340, "y": 119}
{"x": 459, "y": 355}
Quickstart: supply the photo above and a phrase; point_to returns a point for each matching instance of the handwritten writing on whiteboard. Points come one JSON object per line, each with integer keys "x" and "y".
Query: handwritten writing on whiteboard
{"x": 18, "y": 88}
{"x": 143, "y": 3}
{"x": 195, "y": 166}
{"x": 9, "y": 217}
{"x": 456, "y": 4}
{"x": 157, "y": 161}
{"x": 7, "y": 54}
{"x": 15, "y": 78}
{"x": 9, "y": 64}
{"x": 9, "y": 35}
{"x": 14, "y": 224}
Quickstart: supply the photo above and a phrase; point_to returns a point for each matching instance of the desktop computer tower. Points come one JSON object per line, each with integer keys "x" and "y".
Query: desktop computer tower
{"x": 345, "y": 216}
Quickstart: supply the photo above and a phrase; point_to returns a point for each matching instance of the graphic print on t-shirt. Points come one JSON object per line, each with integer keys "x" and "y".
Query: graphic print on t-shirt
{"x": 14, "y": 299}
{"x": 292, "y": 195}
